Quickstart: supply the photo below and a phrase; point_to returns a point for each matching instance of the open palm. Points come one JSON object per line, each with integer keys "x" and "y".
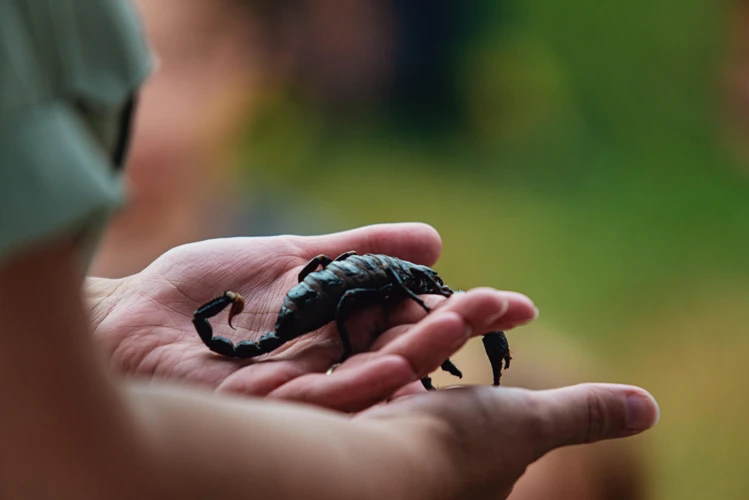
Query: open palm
{"x": 148, "y": 327}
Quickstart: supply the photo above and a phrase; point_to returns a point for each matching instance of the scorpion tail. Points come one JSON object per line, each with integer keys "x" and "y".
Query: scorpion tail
{"x": 222, "y": 345}
{"x": 215, "y": 306}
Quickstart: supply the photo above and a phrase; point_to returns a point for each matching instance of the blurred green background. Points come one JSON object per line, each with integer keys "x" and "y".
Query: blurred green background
{"x": 576, "y": 152}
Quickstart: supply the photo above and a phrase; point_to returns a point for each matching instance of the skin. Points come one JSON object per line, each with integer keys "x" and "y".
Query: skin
{"x": 95, "y": 436}
{"x": 144, "y": 321}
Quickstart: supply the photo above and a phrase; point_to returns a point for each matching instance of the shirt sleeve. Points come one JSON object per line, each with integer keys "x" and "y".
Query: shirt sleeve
{"x": 58, "y": 62}
{"x": 53, "y": 177}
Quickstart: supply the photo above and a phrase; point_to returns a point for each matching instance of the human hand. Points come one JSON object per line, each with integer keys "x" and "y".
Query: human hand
{"x": 145, "y": 321}
{"x": 482, "y": 439}
{"x": 460, "y": 443}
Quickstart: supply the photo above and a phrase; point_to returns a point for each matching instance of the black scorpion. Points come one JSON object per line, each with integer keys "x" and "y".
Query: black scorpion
{"x": 331, "y": 294}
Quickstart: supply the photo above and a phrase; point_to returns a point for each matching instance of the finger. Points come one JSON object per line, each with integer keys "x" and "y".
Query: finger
{"x": 262, "y": 377}
{"x": 430, "y": 342}
{"x": 412, "y": 389}
{"x": 414, "y": 242}
{"x": 493, "y": 434}
{"x": 536, "y": 422}
{"x": 483, "y": 310}
{"x": 352, "y": 389}
{"x": 587, "y": 413}
{"x": 501, "y": 310}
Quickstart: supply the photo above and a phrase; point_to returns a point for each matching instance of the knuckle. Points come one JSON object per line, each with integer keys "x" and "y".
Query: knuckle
{"x": 597, "y": 416}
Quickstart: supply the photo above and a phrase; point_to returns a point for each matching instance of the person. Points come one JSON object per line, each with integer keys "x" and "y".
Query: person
{"x": 72, "y": 427}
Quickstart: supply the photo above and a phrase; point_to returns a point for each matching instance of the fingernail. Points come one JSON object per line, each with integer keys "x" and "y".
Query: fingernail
{"x": 640, "y": 412}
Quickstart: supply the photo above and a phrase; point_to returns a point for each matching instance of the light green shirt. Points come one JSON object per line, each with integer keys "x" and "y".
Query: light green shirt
{"x": 68, "y": 69}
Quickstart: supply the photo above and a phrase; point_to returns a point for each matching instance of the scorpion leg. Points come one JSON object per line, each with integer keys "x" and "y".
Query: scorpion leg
{"x": 427, "y": 383}
{"x": 498, "y": 350}
{"x": 222, "y": 345}
{"x": 322, "y": 260}
{"x": 399, "y": 284}
{"x": 343, "y": 310}
{"x": 445, "y": 290}
{"x": 345, "y": 255}
{"x": 447, "y": 365}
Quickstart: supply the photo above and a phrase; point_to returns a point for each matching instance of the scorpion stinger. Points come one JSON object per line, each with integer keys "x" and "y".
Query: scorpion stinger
{"x": 237, "y": 306}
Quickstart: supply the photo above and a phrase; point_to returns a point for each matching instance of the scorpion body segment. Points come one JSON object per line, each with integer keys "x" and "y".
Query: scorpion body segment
{"x": 344, "y": 284}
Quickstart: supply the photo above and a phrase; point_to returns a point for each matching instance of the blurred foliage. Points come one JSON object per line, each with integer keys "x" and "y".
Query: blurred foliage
{"x": 585, "y": 168}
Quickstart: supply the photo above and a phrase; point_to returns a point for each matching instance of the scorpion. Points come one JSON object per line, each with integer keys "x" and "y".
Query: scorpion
{"x": 343, "y": 284}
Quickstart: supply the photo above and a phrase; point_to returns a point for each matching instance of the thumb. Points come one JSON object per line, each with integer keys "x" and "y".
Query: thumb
{"x": 587, "y": 413}
{"x": 492, "y": 434}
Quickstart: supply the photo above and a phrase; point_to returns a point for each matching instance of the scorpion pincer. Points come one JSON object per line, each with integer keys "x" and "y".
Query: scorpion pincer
{"x": 348, "y": 282}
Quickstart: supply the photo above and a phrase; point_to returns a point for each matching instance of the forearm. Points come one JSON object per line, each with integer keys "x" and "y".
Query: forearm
{"x": 68, "y": 418}
{"x": 65, "y": 428}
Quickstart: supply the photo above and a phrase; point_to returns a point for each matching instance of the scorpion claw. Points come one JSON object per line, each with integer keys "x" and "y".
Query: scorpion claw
{"x": 498, "y": 350}
{"x": 237, "y": 306}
